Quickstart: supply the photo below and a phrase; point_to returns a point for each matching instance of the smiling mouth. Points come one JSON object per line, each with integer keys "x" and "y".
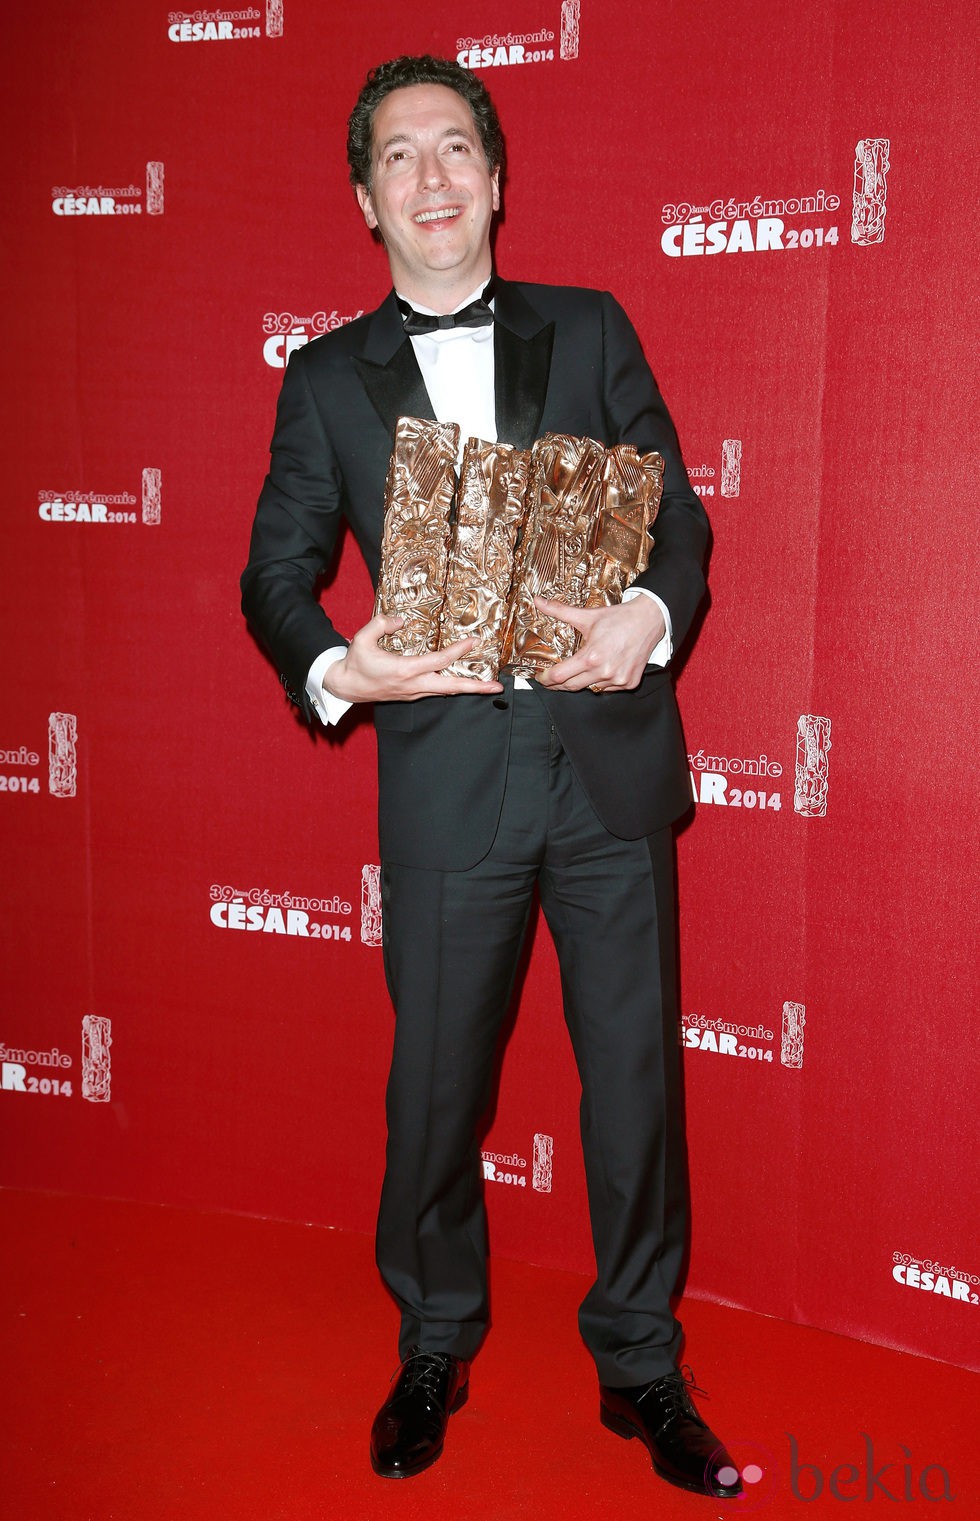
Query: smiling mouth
{"x": 441, "y": 215}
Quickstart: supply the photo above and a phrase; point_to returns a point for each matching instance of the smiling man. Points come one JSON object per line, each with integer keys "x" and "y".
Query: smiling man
{"x": 431, "y": 193}
{"x": 492, "y": 790}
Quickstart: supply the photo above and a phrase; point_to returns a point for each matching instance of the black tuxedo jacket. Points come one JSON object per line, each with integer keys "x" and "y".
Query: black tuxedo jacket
{"x": 566, "y": 361}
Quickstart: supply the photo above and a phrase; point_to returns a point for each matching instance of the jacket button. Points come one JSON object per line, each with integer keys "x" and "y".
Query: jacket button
{"x": 499, "y": 702}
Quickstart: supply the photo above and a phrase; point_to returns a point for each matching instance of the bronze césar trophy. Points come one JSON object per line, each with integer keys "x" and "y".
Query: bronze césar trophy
{"x": 465, "y": 555}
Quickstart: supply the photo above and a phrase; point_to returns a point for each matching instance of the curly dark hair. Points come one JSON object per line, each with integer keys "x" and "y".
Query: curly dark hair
{"x": 405, "y": 71}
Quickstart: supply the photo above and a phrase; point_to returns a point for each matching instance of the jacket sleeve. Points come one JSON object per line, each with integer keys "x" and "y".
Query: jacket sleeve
{"x": 293, "y": 537}
{"x": 636, "y": 414}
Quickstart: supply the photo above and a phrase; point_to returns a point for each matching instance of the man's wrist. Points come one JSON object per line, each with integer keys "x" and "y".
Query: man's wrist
{"x": 664, "y": 648}
{"x": 328, "y": 708}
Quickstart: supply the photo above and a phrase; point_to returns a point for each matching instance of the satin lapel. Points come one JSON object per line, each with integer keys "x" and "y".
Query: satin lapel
{"x": 389, "y": 371}
{"x": 522, "y": 347}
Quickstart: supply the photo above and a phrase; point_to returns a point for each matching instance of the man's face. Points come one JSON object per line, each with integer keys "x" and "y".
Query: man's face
{"x": 432, "y": 195}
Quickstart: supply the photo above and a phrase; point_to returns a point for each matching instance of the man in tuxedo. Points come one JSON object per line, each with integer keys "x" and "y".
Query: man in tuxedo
{"x": 488, "y": 789}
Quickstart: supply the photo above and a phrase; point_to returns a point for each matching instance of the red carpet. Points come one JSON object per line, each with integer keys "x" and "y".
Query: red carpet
{"x": 164, "y": 1364}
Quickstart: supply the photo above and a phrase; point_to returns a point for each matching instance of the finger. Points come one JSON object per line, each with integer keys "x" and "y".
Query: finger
{"x": 595, "y": 683}
{"x": 451, "y": 686}
{"x": 567, "y": 670}
{"x": 453, "y": 651}
{"x": 439, "y": 659}
{"x": 573, "y": 684}
{"x": 581, "y": 618}
{"x": 578, "y": 671}
{"x": 382, "y": 623}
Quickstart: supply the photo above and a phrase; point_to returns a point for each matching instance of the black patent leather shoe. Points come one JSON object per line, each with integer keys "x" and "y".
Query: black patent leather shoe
{"x": 410, "y": 1428}
{"x": 684, "y": 1451}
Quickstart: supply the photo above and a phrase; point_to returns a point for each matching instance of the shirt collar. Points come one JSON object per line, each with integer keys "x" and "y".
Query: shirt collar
{"x": 430, "y": 311}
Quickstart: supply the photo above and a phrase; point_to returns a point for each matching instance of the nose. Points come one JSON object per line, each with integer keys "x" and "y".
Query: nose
{"x": 433, "y": 174}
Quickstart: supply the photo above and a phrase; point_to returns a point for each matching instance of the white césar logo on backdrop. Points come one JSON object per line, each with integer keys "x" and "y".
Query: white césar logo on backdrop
{"x": 225, "y": 25}
{"x": 496, "y": 50}
{"x": 934, "y": 1278}
{"x": 754, "y": 788}
{"x": 286, "y": 332}
{"x": 753, "y": 1043}
{"x": 70, "y": 506}
{"x": 703, "y": 477}
{"x": 511, "y": 1168}
{"x": 257, "y": 910}
{"x": 103, "y": 201}
{"x": 761, "y": 224}
{"x": 62, "y": 761}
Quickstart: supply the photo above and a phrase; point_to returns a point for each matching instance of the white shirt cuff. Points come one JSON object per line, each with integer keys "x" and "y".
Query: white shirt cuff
{"x": 662, "y": 652}
{"x": 328, "y": 708}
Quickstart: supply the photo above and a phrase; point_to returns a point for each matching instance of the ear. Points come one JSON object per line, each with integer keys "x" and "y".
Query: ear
{"x": 366, "y": 205}
{"x": 495, "y": 189}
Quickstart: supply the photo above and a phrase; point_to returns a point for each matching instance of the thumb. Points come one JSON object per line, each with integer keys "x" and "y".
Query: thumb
{"x": 385, "y": 623}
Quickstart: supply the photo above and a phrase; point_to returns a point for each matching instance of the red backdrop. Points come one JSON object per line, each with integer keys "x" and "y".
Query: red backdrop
{"x": 194, "y": 1009}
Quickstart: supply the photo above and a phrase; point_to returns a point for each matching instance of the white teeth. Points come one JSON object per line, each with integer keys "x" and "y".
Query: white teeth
{"x": 437, "y": 216}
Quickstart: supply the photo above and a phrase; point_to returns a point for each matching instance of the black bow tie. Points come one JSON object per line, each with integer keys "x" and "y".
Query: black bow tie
{"x": 477, "y": 314}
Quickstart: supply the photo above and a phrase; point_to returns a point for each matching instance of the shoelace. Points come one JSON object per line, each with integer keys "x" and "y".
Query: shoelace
{"x": 425, "y": 1370}
{"x": 673, "y": 1393}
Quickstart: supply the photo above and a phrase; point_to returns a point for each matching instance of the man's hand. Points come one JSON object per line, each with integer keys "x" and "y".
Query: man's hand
{"x": 367, "y": 673}
{"x": 616, "y": 644}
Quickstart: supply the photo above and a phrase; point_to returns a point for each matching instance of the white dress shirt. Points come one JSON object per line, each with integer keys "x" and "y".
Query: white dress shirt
{"x": 457, "y": 368}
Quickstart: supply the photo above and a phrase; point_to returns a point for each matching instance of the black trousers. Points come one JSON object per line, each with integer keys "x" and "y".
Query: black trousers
{"x": 452, "y": 942}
